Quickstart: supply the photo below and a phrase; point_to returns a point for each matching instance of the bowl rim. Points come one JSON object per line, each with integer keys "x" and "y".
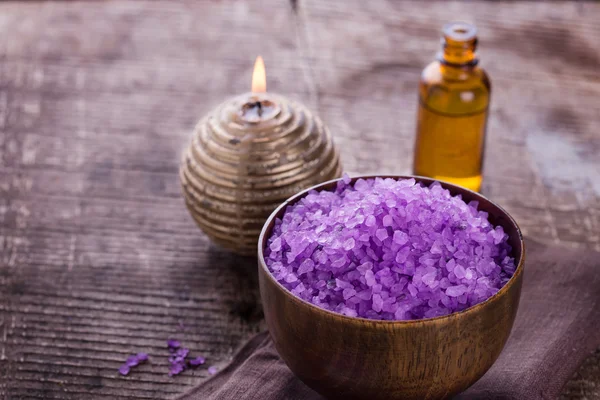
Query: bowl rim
{"x": 473, "y": 309}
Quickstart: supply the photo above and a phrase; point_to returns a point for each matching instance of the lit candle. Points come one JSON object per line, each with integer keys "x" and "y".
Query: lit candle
{"x": 258, "y": 106}
{"x": 247, "y": 156}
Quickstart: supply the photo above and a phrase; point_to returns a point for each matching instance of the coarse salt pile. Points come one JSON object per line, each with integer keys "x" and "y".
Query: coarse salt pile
{"x": 389, "y": 249}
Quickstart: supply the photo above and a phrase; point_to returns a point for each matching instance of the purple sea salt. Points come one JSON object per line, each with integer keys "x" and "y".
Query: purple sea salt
{"x": 212, "y": 370}
{"x": 176, "y": 369}
{"x": 178, "y": 356}
{"x": 389, "y": 249}
{"x": 132, "y": 361}
{"x": 177, "y": 359}
{"x": 182, "y": 353}
{"x": 197, "y": 361}
{"x": 173, "y": 344}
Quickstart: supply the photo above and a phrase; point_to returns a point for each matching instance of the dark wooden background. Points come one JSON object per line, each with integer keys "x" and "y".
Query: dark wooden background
{"x": 99, "y": 257}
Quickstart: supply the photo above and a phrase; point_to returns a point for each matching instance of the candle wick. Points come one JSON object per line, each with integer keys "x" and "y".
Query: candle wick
{"x": 255, "y": 109}
{"x": 259, "y": 111}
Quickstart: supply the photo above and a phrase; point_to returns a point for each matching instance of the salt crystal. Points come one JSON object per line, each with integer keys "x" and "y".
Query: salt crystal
{"x": 275, "y": 244}
{"x": 307, "y": 265}
{"x": 176, "y": 369}
{"x": 455, "y": 291}
{"x": 340, "y": 262}
{"x": 343, "y": 284}
{"x": 402, "y": 255}
{"x": 349, "y": 244}
{"x": 362, "y": 268}
{"x": 173, "y": 344}
{"x": 370, "y": 278}
{"x": 469, "y": 274}
{"x": 361, "y": 185}
{"x": 364, "y": 294}
{"x": 400, "y": 237}
{"x": 370, "y": 221}
{"x": 412, "y": 290}
{"x": 132, "y": 361}
{"x": 429, "y": 278}
{"x": 388, "y": 220}
{"x": 381, "y": 234}
{"x": 377, "y": 303}
{"x": 459, "y": 271}
{"x": 197, "y": 361}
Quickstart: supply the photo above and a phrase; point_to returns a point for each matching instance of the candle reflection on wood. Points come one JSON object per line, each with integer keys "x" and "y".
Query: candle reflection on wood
{"x": 249, "y": 155}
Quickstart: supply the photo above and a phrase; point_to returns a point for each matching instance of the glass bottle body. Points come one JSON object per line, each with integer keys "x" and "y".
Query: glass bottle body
{"x": 451, "y": 124}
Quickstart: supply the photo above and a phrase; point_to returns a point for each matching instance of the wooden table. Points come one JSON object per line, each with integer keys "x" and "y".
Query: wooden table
{"x": 97, "y": 100}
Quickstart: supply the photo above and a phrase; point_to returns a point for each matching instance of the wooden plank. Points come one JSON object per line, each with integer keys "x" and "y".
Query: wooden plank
{"x": 99, "y": 256}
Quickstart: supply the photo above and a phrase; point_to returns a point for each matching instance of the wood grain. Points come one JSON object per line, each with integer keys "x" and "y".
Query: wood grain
{"x": 99, "y": 257}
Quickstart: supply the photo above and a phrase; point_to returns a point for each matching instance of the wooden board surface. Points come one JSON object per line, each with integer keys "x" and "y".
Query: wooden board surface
{"x": 99, "y": 257}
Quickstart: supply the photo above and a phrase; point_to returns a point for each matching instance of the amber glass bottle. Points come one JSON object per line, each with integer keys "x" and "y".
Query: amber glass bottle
{"x": 454, "y": 96}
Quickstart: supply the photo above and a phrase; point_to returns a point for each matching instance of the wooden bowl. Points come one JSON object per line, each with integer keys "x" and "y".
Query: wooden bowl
{"x": 354, "y": 358}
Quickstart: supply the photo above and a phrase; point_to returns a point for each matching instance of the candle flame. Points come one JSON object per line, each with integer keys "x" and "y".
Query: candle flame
{"x": 259, "y": 76}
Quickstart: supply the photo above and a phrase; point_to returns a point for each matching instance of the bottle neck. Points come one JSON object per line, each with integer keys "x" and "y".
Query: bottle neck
{"x": 459, "y": 44}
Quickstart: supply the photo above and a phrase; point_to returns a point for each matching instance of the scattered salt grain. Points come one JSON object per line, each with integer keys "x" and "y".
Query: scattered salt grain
{"x": 197, "y": 361}
{"x": 132, "y": 361}
{"x": 177, "y": 359}
{"x": 176, "y": 369}
{"x": 124, "y": 369}
{"x": 389, "y": 249}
